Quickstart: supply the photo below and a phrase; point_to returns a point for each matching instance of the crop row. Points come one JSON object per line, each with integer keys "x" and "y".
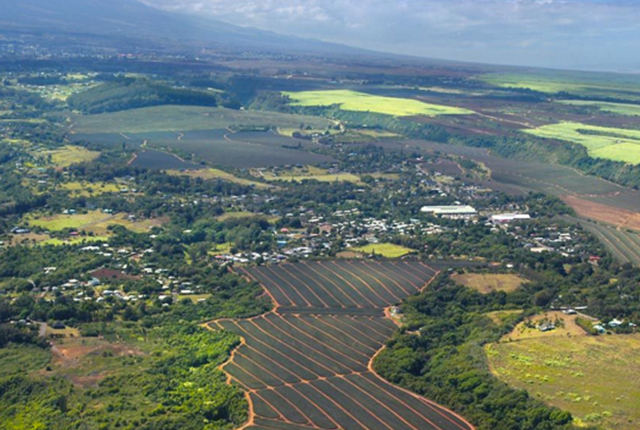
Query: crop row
{"x": 342, "y": 284}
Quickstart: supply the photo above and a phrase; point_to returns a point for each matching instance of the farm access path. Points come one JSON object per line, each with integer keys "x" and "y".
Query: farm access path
{"x": 307, "y": 365}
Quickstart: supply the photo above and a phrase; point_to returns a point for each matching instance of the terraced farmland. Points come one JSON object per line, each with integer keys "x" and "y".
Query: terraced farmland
{"x": 307, "y": 364}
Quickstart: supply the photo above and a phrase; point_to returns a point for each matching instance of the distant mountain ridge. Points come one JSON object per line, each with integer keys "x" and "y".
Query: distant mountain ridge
{"x": 133, "y": 19}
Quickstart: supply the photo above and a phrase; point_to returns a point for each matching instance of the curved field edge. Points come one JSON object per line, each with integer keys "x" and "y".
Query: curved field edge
{"x": 255, "y": 420}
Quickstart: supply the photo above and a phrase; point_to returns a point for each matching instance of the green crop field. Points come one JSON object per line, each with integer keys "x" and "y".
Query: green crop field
{"x": 617, "y": 108}
{"x": 387, "y": 250}
{"x": 184, "y": 118}
{"x": 361, "y": 102}
{"x": 616, "y": 144}
{"x": 594, "y": 378}
{"x": 583, "y": 84}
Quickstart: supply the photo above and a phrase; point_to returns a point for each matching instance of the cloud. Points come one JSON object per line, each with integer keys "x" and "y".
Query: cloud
{"x": 563, "y": 33}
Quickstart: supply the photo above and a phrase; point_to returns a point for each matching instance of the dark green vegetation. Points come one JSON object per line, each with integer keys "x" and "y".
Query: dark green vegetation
{"x": 444, "y": 360}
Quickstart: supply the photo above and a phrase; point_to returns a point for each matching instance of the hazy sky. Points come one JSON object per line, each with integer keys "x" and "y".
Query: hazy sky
{"x": 587, "y": 34}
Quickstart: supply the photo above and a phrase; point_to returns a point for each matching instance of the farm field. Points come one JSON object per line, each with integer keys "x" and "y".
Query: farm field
{"x": 615, "y": 144}
{"x": 617, "y": 217}
{"x": 387, "y": 250}
{"x": 582, "y": 84}
{"x": 362, "y": 102}
{"x": 617, "y": 108}
{"x": 185, "y": 118}
{"x": 487, "y": 283}
{"x": 623, "y": 243}
{"x": 207, "y": 133}
{"x": 308, "y": 363}
{"x": 519, "y": 177}
{"x": 580, "y": 374}
{"x": 218, "y": 147}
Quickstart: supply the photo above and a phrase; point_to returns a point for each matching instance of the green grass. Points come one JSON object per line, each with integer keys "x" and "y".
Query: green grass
{"x": 61, "y": 222}
{"x": 68, "y": 155}
{"x": 209, "y": 174}
{"x": 90, "y": 189}
{"x": 615, "y": 144}
{"x": 22, "y": 360}
{"x": 184, "y": 118}
{"x": 617, "y": 108}
{"x": 310, "y": 173}
{"x": 387, "y": 250}
{"x": 74, "y": 241}
{"x": 622, "y": 87}
{"x": 361, "y": 102}
{"x": 594, "y": 378}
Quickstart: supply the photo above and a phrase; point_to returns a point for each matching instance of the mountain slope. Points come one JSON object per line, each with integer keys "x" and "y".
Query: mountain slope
{"x": 132, "y": 19}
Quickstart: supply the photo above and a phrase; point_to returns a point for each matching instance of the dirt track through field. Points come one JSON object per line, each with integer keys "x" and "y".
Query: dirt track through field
{"x": 309, "y": 363}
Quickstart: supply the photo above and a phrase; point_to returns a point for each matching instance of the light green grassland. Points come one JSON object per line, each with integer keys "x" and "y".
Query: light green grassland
{"x": 68, "y": 155}
{"x": 172, "y": 118}
{"x": 310, "y": 173}
{"x": 388, "y": 250}
{"x": 617, "y": 108}
{"x": 594, "y": 378}
{"x": 624, "y": 87}
{"x": 361, "y": 102}
{"x": 209, "y": 174}
{"x": 616, "y": 144}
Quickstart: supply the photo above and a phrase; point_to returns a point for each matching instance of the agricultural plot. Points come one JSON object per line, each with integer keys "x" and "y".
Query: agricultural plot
{"x": 94, "y": 222}
{"x": 204, "y": 132}
{"x": 519, "y": 177}
{"x": 361, "y": 102}
{"x": 617, "y": 108}
{"x": 160, "y": 160}
{"x": 615, "y": 144}
{"x": 185, "y": 118}
{"x": 580, "y": 374}
{"x": 623, "y": 244}
{"x": 584, "y": 85}
{"x": 309, "y": 367}
{"x": 219, "y": 147}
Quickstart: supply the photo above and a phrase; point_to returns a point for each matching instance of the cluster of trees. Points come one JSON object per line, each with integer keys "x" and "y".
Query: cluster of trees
{"x": 131, "y": 93}
{"x": 439, "y": 354}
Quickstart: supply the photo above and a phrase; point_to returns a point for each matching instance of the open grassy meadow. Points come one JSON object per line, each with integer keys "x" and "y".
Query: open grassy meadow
{"x": 594, "y": 378}
{"x": 70, "y": 154}
{"x": 601, "y": 142}
{"x": 299, "y": 174}
{"x": 94, "y": 222}
{"x": 486, "y": 283}
{"x": 209, "y": 174}
{"x": 387, "y": 250}
{"x": 362, "y": 102}
{"x": 90, "y": 189}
